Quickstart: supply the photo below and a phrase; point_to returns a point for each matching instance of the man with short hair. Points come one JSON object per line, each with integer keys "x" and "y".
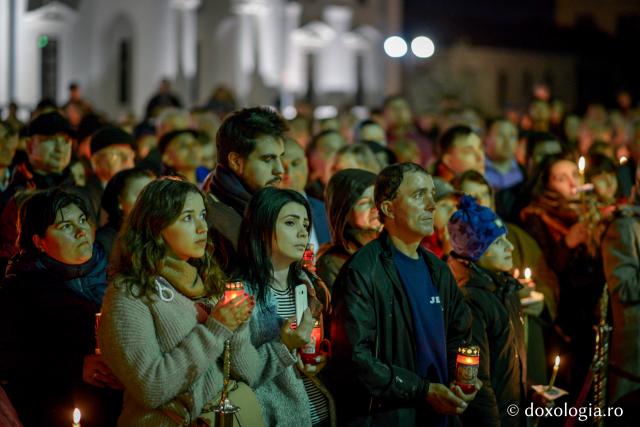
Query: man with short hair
{"x": 502, "y": 171}
{"x": 399, "y": 317}
{"x": 460, "y": 150}
{"x": 49, "y": 147}
{"x": 321, "y": 152}
{"x": 250, "y": 145}
{"x": 181, "y": 153}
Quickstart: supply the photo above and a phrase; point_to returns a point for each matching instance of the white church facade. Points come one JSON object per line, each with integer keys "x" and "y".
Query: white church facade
{"x": 265, "y": 50}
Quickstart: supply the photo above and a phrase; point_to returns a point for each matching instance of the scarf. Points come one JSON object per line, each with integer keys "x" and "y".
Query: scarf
{"x": 229, "y": 189}
{"x": 88, "y": 280}
{"x": 558, "y": 213}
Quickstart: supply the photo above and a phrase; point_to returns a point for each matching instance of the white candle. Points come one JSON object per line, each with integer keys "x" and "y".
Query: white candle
{"x": 527, "y": 274}
{"x": 556, "y": 366}
{"x": 76, "y": 418}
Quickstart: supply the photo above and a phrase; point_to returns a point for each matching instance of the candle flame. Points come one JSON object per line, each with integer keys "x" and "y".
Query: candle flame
{"x": 557, "y": 364}
{"x": 581, "y": 164}
{"x": 623, "y": 160}
{"x": 76, "y": 416}
{"x": 527, "y": 273}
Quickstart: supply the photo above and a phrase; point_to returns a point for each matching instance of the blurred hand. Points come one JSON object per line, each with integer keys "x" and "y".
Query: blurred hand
{"x": 301, "y": 335}
{"x": 235, "y": 312}
{"x": 444, "y": 401}
{"x": 97, "y": 373}
{"x": 534, "y": 309}
{"x": 455, "y": 388}
{"x": 578, "y": 233}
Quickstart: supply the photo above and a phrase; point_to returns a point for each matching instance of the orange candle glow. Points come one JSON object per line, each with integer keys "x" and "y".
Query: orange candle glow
{"x": 232, "y": 290}
{"x": 467, "y": 363}
{"x": 311, "y": 350}
{"x": 556, "y": 366}
{"x": 76, "y": 418}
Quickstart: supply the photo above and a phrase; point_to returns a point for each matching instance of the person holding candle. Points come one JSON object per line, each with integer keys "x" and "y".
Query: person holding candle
{"x": 556, "y": 220}
{"x": 353, "y": 217}
{"x": 399, "y": 317}
{"x": 273, "y": 238}
{"x": 526, "y": 254}
{"x": 48, "y": 301}
{"x": 162, "y": 337}
{"x": 480, "y": 246}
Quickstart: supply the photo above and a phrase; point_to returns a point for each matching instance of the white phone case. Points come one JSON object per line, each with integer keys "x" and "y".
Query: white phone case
{"x": 302, "y": 302}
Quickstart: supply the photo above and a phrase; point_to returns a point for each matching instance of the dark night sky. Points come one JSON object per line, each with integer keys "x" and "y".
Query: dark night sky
{"x": 519, "y": 24}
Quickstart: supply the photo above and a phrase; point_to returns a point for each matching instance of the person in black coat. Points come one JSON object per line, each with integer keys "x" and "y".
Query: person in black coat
{"x": 481, "y": 248}
{"x": 48, "y": 301}
{"x": 399, "y": 317}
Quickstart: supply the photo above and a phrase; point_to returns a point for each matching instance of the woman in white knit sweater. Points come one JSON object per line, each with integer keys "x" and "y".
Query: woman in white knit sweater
{"x": 162, "y": 339}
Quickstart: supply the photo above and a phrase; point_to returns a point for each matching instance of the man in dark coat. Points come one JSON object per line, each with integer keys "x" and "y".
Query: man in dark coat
{"x": 250, "y": 145}
{"x": 399, "y": 317}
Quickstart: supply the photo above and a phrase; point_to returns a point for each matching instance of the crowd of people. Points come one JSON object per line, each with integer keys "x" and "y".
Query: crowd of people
{"x": 411, "y": 234}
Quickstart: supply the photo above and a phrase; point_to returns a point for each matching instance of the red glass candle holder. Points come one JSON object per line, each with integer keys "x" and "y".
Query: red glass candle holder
{"x": 232, "y": 290}
{"x": 316, "y": 346}
{"x": 467, "y": 363}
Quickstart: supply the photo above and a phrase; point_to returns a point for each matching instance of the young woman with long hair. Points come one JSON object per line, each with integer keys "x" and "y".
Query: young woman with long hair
{"x": 273, "y": 237}
{"x": 161, "y": 337}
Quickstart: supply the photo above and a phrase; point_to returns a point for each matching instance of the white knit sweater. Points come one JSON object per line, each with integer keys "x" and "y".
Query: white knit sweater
{"x": 166, "y": 360}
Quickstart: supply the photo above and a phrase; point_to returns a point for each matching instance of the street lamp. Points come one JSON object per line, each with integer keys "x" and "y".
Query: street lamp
{"x": 395, "y": 47}
{"x": 422, "y": 47}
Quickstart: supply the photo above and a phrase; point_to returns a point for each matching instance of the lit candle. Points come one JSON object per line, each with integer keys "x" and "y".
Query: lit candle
{"x": 232, "y": 290}
{"x": 623, "y": 160}
{"x": 308, "y": 259}
{"x": 467, "y": 363}
{"x": 310, "y": 351}
{"x": 97, "y": 326}
{"x": 581, "y": 166}
{"x": 527, "y": 274}
{"x": 556, "y": 366}
{"x": 76, "y": 418}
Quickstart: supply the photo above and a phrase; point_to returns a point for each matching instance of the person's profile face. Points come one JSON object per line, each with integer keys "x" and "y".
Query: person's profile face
{"x": 186, "y": 237}
{"x": 364, "y": 214}
{"x": 291, "y": 233}
{"x": 263, "y": 166}
{"x": 413, "y": 207}
{"x": 130, "y": 193}
{"x": 296, "y": 168}
{"x": 564, "y": 179}
{"x": 69, "y": 239}
{"x": 498, "y": 256}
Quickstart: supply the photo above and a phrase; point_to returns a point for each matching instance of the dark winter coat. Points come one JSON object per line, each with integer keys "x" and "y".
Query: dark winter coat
{"x": 498, "y": 329}
{"x": 374, "y": 365}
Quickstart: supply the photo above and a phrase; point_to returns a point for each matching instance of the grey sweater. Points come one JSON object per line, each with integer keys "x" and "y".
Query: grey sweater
{"x": 269, "y": 368}
{"x": 167, "y": 361}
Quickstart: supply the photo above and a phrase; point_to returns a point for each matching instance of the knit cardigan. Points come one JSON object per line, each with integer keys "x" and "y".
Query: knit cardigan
{"x": 269, "y": 368}
{"x": 167, "y": 361}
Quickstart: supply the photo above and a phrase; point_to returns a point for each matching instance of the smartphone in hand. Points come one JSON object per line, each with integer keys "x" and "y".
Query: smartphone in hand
{"x": 302, "y": 301}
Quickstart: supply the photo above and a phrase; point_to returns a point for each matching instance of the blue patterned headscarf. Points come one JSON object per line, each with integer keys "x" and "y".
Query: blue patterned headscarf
{"x": 473, "y": 228}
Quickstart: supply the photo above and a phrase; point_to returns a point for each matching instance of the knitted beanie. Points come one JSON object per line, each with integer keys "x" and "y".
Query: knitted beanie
{"x": 473, "y": 228}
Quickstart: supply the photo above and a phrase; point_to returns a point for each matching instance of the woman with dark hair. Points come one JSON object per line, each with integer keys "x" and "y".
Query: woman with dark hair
{"x": 53, "y": 288}
{"x": 163, "y": 338}
{"x": 118, "y": 199}
{"x": 273, "y": 237}
{"x": 564, "y": 229}
{"x": 353, "y": 218}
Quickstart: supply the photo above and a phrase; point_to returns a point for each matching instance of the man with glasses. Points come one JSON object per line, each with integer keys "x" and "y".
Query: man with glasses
{"x": 49, "y": 145}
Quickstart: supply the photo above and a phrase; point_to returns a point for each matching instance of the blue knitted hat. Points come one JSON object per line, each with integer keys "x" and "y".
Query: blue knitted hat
{"x": 473, "y": 228}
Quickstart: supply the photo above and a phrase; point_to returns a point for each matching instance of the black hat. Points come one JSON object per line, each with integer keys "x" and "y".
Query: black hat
{"x": 110, "y": 135}
{"x": 49, "y": 123}
{"x": 170, "y": 136}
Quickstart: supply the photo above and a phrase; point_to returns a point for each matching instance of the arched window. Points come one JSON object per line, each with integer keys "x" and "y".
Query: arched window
{"x": 48, "y": 66}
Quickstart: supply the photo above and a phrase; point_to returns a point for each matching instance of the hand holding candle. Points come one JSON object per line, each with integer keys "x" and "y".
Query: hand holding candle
{"x": 233, "y": 290}
{"x": 467, "y": 363}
